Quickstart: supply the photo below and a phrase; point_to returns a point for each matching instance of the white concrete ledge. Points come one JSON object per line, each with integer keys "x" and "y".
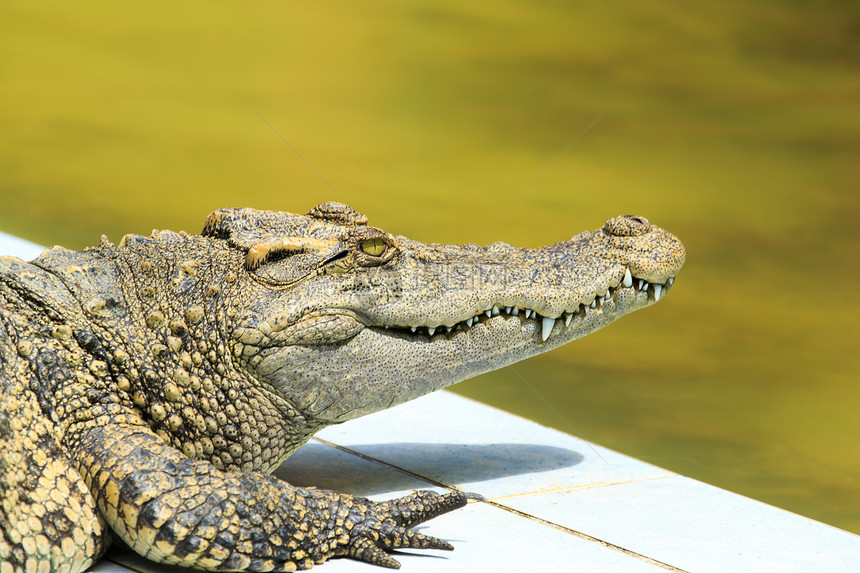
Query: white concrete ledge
{"x": 555, "y": 502}
{"x": 21, "y": 248}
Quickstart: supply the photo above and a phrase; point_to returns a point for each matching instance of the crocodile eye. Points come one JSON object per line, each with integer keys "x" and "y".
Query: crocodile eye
{"x": 374, "y": 247}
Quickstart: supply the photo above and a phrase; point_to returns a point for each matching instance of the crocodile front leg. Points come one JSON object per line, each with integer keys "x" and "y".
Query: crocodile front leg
{"x": 173, "y": 509}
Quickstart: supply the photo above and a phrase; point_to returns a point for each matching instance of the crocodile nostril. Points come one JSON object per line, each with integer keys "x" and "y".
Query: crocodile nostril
{"x": 627, "y": 226}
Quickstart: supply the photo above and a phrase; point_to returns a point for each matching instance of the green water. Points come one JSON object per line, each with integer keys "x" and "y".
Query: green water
{"x": 733, "y": 124}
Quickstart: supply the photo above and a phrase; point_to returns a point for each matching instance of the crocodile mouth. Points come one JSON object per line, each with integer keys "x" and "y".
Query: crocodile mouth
{"x": 581, "y": 316}
{"x": 638, "y": 293}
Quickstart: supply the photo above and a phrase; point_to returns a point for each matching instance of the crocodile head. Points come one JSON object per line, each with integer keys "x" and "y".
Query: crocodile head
{"x": 347, "y": 319}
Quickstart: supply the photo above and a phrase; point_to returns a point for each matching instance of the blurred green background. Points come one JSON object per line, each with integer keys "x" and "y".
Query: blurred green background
{"x": 735, "y": 125}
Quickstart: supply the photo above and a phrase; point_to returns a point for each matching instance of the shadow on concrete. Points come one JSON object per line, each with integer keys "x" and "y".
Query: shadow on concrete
{"x": 326, "y": 467}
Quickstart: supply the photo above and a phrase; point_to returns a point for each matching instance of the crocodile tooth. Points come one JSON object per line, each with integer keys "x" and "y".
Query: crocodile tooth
{"x": 508, "y": 310}
{"x": 413, "y": 328}
{"x": 469, "y": 321}
{"x": 450, "y": 328}
{"x": 489, "y": 313}
{"x": 641, "y": 284}
{"x": 671, "y": 281}
{"x": 594, "y": 303}
{"x": 658, "y": 291}
{"x": 430, "y": 330}
{"x": 528, "y": 313}
{"x": 546, "y": 327}
{"x": 495, "y": 311}
{"x": 515, "y": 311}
{"x": 628, "y": 278}
{"x": 606, "y": 297}
{"x": 568, "y": 316}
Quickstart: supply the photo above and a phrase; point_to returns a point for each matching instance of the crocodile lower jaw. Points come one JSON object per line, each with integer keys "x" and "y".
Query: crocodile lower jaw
{"x": 642, "y": 292}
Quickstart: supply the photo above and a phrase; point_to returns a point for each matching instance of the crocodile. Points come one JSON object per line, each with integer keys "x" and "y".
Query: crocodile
{"x": 150, "y": 387}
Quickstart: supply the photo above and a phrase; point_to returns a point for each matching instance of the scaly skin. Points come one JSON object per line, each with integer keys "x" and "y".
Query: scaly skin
{"x": 147, "y": 388}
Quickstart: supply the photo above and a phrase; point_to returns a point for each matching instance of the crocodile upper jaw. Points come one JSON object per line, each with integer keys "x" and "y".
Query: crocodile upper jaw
{"x": 605, "y": 302}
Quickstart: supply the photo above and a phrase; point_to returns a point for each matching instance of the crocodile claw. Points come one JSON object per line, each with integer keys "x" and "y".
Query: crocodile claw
{"x": 421, "y": 506}
{"x": 372, "y": 547}
{"x": 385, "y": 526}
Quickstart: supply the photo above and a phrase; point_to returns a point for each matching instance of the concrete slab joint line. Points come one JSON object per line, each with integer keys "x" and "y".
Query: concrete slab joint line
{"x": 590, "y": 538}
